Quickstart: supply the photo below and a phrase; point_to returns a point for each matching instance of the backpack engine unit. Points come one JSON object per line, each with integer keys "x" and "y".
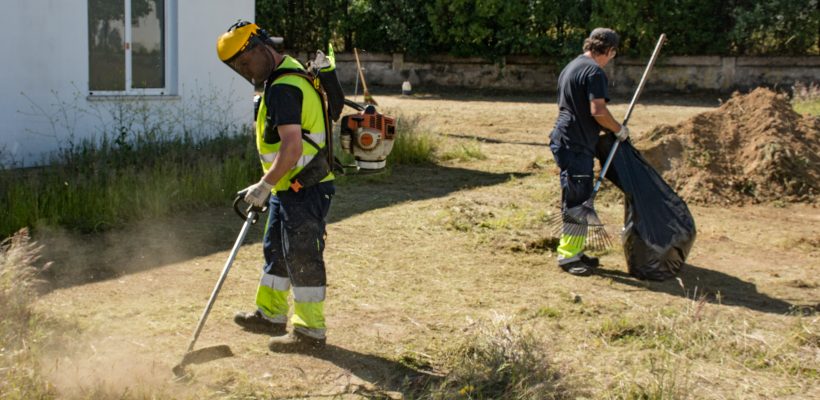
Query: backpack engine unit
{"x": 368, "y": 136}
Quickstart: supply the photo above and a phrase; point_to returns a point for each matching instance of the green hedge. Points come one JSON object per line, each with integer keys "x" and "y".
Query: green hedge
{"x": 553, "y": 29}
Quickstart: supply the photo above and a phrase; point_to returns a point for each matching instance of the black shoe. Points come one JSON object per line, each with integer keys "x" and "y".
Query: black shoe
{"x": 578, "y": 268}
{"x": 296, "y": 342}
{"x": 591, "y": 261}
{"x": 256, "y": 323}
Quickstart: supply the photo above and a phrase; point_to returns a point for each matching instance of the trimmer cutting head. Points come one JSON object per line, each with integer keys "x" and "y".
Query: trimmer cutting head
{"x": 200, "y": 356}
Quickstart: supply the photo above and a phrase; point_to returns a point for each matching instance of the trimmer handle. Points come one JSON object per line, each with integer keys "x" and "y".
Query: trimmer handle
{"x": 354, "y": 105}
{"x": 251, "y": 209}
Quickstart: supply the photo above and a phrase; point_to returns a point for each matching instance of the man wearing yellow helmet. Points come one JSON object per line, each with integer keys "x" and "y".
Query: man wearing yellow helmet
{"x": 290, "y": 132}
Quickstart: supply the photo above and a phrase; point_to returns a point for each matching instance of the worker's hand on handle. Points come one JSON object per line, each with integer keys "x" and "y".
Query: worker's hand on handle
{"x": 258, "y": 193}
{"x": 622, "y": 134}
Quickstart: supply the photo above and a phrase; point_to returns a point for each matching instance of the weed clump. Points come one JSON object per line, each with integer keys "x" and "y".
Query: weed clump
{"x": 413, "y": 144}
{"x": 498, "y": 360}
{"x": 19, "y": 325}
{"x": 465, "y": 151}
{"x": 806, "y": 98}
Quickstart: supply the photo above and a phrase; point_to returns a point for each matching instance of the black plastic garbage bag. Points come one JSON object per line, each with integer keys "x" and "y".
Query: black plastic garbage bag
{"x": 658, "y": 228}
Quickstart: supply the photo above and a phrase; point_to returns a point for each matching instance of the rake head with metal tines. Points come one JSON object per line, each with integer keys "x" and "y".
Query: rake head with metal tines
{"x": 583, "y": 227}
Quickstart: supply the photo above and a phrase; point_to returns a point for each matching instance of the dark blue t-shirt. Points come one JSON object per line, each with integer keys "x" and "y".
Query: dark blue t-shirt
{"x": 284, "y": 104}
{"x": 581, "y": 81}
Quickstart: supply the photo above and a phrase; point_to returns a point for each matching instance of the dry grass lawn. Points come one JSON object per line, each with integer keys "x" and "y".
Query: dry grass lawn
{"x": 430, "y": 257}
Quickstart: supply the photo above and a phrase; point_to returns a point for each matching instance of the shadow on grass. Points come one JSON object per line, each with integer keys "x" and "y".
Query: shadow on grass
{"x": 148, "y": 244}
{"x": 496, "y": 141}
{"x": 549, "y": 98}
{"x": 380, "y": 375}
{"x": 719, "y": 288}
{"x": 363, "y": 194}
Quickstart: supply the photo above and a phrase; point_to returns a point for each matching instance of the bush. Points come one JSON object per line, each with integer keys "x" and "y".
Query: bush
{"x": 777, "y": 27}
{"x": 694, "y": 27}
{"x": 553, "y": 29}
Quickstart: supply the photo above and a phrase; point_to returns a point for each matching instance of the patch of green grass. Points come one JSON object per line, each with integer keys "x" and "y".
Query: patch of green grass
{"x": 91, "y": 187}
{"x": 622, "y": 330}
{"x": 464, "y": 151}
{"x": 810, "y": 107}
{"x": 548, "y": 312}
{"x": 806, "y": 98}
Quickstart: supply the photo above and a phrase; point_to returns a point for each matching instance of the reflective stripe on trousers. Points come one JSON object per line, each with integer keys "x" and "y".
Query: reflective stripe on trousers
{"x": 293, "y": 246}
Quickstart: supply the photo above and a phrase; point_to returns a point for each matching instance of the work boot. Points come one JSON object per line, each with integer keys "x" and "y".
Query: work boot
{"x": 296, "y": 342}
{"x": 578, "y": 268}
{"x": 255, "y": 322}
{"x": 591, "y": 261}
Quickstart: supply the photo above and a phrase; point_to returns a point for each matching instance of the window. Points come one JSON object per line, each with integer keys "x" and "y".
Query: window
{"x": 126, "y": 58}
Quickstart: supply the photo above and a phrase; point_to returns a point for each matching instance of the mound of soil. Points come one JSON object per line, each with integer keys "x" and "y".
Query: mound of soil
{"x": 754, "y": 148}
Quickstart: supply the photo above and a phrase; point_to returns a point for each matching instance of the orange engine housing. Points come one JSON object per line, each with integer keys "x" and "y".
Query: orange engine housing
{"x": 372, "y": 121}
{"x": 368, "y": 136}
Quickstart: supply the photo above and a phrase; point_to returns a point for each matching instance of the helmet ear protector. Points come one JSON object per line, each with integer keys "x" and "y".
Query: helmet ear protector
{"x": 261, "y": 33}
{"x": 241, "y": 37}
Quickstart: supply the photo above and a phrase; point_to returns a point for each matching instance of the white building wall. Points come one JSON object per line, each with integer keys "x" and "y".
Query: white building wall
{"x": 44, "y": 74}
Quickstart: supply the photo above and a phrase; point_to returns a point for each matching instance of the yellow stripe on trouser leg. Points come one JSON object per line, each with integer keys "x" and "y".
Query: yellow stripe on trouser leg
{"x": 309, "y": 315}
{"x": 272, "y": 302}
{"x": 571, "y": 245}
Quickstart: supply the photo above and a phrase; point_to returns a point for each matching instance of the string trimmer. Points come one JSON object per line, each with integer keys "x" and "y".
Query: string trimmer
{"x": 582, "y": 222}
{"x": 251, "y": 215}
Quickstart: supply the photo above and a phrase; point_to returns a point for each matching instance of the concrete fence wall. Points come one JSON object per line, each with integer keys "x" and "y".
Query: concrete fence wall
{"x": 671, "y": 74}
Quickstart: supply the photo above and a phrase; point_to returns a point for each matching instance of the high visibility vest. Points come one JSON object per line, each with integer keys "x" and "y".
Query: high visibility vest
{"x": 312, "y": 121}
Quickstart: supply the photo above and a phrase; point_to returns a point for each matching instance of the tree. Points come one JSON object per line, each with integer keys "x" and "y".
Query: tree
{"x": 788, "y": 27}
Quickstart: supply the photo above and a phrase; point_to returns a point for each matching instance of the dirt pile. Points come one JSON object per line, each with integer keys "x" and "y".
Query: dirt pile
{"x": 754, "y": 148}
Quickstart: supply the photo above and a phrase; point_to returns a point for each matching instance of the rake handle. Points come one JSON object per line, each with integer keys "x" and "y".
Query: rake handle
{"x": 638, "y": 91}
{"x": 359, "y": 67}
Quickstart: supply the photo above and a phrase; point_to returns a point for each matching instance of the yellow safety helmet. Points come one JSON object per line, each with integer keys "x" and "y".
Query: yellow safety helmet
{"x": 239, "y": 37}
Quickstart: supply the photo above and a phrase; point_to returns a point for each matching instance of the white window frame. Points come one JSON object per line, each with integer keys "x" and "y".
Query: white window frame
{"x": 169, "y": 30}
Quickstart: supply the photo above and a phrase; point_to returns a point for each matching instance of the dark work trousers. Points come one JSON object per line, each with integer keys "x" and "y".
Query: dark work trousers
{"x": 577, "y": 175}
{"x": 295, "y": 236}
{"x": 576, "y": 188}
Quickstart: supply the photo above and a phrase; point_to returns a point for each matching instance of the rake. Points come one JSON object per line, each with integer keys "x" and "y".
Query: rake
{"x": 368, "y": 99}
{"x": 582, "y": 222}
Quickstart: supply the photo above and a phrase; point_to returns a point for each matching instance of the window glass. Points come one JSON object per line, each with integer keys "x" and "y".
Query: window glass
{"x": 106, "y": 36}
{"x": 148, "y": 43}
